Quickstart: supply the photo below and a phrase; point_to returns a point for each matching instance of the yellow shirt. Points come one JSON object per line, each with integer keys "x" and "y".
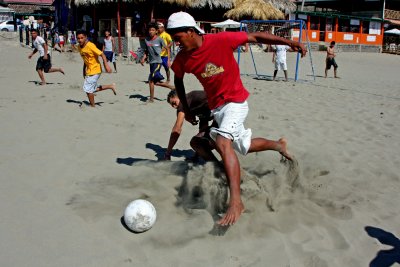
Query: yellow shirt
{"x": 90, "y": 55}
{"x": 167, "y": 40}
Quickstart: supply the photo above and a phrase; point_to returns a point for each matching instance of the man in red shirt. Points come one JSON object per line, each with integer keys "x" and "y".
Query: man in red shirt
{"x": 210, "y": 58}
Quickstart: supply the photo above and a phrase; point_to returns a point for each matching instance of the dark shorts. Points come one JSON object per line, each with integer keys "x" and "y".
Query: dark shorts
{"x": 165, "y": 63}
{"x": 155, "y": 74}
{"x": 109, "y": 55}
{"x": 44, "y": 64}
{"x": 331, "y": 62}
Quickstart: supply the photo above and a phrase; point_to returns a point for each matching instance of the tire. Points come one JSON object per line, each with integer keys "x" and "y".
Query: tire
{"x": 4, "y": 30}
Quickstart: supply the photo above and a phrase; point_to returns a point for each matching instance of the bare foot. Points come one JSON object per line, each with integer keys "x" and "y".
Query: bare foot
{"x": 62, "y": 71}
{"x": 42, "y": 83}
{"x": 232, "y": 214}
{"x": 150, "y": 101}
{"x": 283, "y": 149}
{"x": 171, "y": 87}
{"x": 113, "y": 89}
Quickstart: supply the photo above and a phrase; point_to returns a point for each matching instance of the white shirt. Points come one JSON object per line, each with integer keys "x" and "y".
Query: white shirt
{"x": 39, "y": 45}
{"x": 280, "y": 51}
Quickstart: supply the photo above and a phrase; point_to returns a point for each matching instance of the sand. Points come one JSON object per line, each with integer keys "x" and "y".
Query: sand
{"x": 68, "y": 171}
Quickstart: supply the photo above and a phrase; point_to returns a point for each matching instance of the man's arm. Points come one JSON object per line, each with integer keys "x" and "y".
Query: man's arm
{"x": 33, "y": 52}
{"x": 175, "y": 133}
{"x": 330, "y": 52}
{"x": 113, "y": 43}
{"x": 84, "y": 70}
{"x": 267, "y": 38}
{"x": 180, "y": 90}
{"x": 46, "y": 49}
{"x": 105, "y": 63}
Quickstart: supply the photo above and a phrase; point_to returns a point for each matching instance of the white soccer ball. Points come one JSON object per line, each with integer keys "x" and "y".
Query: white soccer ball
{"x": 140, "y": 215}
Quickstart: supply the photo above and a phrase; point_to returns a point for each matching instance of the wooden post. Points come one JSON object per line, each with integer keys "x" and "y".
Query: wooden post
{"x": 119, "y": 29}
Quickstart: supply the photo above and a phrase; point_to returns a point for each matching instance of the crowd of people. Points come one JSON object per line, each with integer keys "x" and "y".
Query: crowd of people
{"x": 220, "y": 110}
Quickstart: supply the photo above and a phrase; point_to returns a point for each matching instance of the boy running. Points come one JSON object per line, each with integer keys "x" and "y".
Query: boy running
{"x": 154, "y": 45}
{"x": 44, "y": 62}
{"x": 210, "y": 58}
{"x": 166, "y": 52}
{"x": 91, "y": 67}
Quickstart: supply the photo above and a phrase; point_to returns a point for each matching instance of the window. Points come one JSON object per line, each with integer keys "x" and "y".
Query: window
{"x": 365, "y": 27}
{"x": 314, "y": 23}
{"x": 329, "y": 24}
{"x": 344, "y": 25}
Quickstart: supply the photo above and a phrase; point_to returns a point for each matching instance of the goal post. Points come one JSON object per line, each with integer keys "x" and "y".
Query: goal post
{"x": 256, "y": 59}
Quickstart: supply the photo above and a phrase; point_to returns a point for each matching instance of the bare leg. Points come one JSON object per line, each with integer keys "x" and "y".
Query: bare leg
{"x": 335, "y": 72}
{"x": 151, "y": 86}
{"x": 166, "y": 85}
{"x": 275, "y": 72}
{"x": 285, "y": 71}
{"x": 203, "y": 148}
{"x": 106, "y": 87}
{"x": 326, "y": 73}
{"x": 41, "y": 76}
{"x": 168, "y": 75}
{"x": 115, "y": 66}
{"x": 57, "y": 70}
{"x": 232, "y": 169}
{"x": 91, "y": 99}
{"x": 262, "y": 144}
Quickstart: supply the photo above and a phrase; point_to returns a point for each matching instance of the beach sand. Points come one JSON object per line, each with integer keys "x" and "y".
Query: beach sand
{"x": 68, "y": 171}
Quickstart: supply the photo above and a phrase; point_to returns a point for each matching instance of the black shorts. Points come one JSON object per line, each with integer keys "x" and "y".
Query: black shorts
{"x": 43, "y": 64}
{"x": 331, "y": 62}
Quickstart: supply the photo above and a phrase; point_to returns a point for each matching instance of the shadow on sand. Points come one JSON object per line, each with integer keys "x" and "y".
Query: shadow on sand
{"x": 384, "y": 258}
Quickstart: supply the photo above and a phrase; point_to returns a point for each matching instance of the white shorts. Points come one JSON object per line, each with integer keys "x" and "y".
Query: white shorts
{"x": 90, "y": 84}
{"x": 280, "y": 65}
{"x": 230, "y": 118}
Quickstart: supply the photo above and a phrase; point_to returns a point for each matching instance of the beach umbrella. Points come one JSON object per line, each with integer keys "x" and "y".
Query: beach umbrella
{"x": 393, "y": 31}
{"x": 254, "y": 9}
{"x": 227, "y": 24}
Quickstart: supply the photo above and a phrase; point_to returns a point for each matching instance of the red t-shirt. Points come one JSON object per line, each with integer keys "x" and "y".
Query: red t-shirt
{"x": 215, "y": 67}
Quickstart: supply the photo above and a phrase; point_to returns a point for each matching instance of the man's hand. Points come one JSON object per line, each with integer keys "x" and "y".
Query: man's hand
{"x": 300, "y": 48}
{"x": 30, "y": 56}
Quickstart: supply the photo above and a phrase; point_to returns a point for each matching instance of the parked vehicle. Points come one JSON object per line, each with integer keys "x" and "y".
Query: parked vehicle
{"x": 8, "y": 26}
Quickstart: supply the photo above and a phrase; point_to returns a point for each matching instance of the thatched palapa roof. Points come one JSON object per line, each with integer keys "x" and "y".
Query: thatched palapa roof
{"x": 254, "y": 9}
{"x": 202, "y": 3}
{"x": 186, "y": 3}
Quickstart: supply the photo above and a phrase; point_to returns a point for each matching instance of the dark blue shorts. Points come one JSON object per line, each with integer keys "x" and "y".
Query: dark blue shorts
{"x": 165, "y": 63}
{"x": 110, "y": 56}
{"x": 155, "y": 74}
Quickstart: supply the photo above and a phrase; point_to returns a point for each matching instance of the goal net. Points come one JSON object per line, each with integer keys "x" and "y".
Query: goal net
{"x": 256, "y": 59}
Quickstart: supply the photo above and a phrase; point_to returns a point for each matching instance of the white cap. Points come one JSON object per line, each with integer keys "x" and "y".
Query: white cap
{"x": 160, "y": 24}
{"x": 182, "y": 19}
